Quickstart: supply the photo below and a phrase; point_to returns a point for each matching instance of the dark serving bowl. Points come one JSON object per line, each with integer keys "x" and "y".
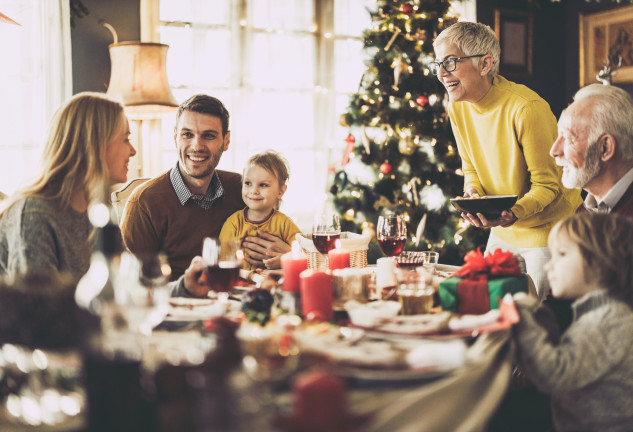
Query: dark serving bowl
{"x": 491, "y": 206}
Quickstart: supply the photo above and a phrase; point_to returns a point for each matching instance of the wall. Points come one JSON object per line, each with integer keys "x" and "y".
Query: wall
{"x": 90, "y": 40}
{"x": 555, "y": 44}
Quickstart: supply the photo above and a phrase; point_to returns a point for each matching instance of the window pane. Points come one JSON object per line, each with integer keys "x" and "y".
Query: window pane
{"x": 198, "y": 57}
{"x": 351, "y": 17}
{"x": 281, "y": 14}
{"x": 279, "y": 120}
{"x": 279, "y": 61}
{"x": 348, "y": 65}
{"x": 200, "y": 11}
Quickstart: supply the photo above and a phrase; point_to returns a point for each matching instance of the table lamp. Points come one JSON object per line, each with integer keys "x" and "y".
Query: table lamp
{"x": 139, "y": 79}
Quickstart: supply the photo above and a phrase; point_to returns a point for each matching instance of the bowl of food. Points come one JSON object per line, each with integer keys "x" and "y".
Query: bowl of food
{"x": 490, "y": 206}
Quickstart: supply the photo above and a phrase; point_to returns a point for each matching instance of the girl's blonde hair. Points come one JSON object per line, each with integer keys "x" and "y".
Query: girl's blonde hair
{"x": 605, "y": 241}
{"x": 74, "y": 156}
{"x": 274, "y": 163}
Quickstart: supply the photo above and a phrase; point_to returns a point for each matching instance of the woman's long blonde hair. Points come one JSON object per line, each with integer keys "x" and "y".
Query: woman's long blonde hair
{"x": 74, "y": 155}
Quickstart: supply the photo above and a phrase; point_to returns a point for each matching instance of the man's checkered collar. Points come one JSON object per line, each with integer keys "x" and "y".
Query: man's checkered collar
{"x": 205, "y": 201}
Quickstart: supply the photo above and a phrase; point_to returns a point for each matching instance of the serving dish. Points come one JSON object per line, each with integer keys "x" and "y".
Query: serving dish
{"x": 490, "y": 206}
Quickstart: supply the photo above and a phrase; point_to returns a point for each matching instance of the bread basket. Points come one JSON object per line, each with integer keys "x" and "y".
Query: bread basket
{"x": 356, "y": 244}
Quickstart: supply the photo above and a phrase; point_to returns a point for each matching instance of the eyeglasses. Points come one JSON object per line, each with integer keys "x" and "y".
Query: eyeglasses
{"x": 450, "y": 64}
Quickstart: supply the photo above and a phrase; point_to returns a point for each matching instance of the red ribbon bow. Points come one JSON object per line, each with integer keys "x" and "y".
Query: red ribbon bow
{"x": 497, "y": 263}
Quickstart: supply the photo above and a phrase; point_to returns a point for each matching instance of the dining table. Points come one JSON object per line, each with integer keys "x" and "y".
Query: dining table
{"x": 459, "y": 398}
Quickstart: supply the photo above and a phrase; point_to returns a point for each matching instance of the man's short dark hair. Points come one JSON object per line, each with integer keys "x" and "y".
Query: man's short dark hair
{"x": 205, "y": 104}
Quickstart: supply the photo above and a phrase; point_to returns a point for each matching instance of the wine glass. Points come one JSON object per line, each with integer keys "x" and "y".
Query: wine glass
{"x": 141, "y": 290}
{"x": 325, "y": 231}
{"x": 391, "y": 233}
{"x": 222, "y": 262}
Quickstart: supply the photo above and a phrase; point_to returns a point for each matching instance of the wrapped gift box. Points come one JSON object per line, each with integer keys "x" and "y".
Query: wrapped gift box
{"x": 480, "y": 284}
{"x": 466, "y": 296}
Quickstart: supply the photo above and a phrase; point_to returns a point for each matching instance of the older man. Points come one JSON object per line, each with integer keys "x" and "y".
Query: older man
{"x": 595, "y": 148}
{"x": 503, "y": 131}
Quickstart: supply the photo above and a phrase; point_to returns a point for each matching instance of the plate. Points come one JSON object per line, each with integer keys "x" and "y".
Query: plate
{"x": 196, "y": 309}
{"x": 491, "y": 206}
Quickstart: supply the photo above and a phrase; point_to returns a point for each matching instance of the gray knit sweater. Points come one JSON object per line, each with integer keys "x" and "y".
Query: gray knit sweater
{"x": 40, "y": 235}
{"x": 589, "y": 372}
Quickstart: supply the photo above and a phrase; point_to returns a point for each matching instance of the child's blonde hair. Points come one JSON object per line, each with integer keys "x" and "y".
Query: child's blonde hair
{"x": 606, "y": 246}
{"x": 274, "y": 163}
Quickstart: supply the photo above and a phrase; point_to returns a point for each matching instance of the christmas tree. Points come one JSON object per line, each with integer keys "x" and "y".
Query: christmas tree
{"x": 401, "y": 155}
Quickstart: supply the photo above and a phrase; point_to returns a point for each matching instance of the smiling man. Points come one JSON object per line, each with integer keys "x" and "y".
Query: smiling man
{"x": 176, "y": 210}
{"x": 595, "y": 148}
{"x": 503, "y": 132}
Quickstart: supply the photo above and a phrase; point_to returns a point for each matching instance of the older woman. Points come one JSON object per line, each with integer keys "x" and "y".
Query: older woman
{"x": 44, "y": 226}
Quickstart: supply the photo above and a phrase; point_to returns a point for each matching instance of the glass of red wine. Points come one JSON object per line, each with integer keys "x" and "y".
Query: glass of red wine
{"x": 391, "y": 233}
{"x": 325, "y": 231}
{"x": 222, "y": 263}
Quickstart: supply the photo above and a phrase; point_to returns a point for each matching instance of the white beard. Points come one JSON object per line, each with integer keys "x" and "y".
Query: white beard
{"x": 576, "y": 178}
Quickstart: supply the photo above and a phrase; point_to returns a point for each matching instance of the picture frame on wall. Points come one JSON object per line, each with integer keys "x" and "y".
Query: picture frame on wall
{"x": 514, "y": 31}
{"x": 604, "y": 35}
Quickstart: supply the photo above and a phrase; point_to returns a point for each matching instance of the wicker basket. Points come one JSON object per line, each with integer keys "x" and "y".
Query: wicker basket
{"x": 356, "y": 244}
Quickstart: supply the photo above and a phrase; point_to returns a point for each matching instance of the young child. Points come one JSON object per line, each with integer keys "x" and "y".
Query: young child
{"x": 589, "y": 370}
{"x": 263, "y": 185}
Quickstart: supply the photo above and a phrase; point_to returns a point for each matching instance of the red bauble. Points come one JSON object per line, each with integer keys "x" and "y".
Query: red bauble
{"x": 350, "y": 139}
{"x": 407, "y": 9}
{"x": 422, "y": 100}
{"x": 386, "y": 168}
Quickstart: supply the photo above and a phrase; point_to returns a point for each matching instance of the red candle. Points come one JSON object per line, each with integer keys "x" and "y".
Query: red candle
{"x": 338, "y": 257}
{"x": 317, "y": 295}
{"x": 292, "y": 264}
{"x": 320, "y": 401}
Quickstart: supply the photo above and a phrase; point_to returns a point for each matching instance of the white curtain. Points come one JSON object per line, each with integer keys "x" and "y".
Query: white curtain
{"x": 35, "y": 79}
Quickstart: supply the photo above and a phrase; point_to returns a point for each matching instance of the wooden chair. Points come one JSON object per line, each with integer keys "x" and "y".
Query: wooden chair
{"x": 119, "y": 197}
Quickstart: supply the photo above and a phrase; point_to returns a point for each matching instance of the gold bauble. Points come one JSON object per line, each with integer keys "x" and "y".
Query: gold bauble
{"x": 406, "y": 147}
{"x": 342, "y": 120}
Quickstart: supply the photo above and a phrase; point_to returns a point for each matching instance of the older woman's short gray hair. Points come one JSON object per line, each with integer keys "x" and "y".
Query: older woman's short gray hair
{"x": 472, "y": 39}
{"x": 612, "y": 113}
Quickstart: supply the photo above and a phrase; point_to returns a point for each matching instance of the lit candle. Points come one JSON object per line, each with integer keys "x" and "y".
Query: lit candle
{"x": 292, "y": 264}
{"x": 317, "y": 295}
{"x": 338, "y": 257}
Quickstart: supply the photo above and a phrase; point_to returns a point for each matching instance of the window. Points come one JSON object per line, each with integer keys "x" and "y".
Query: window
{"x": 284, "y": 68}
{"x": 35, "y": 79}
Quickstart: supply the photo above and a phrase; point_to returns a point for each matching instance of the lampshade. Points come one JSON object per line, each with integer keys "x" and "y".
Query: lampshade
{"x": 139, "y": 79}
{"x": 6, "y": 19}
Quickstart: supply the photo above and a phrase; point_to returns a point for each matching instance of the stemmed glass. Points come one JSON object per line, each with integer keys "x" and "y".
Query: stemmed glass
{"x": 325, "y": 231}
{"x": 141, "y": 290}
{"x": 222, "y": 262}
{"x": 391, "y": 233}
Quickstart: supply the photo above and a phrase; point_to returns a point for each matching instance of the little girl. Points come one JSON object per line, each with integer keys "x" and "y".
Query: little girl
{"x": 263, "y": 185}
{"x": 589, "y": 370}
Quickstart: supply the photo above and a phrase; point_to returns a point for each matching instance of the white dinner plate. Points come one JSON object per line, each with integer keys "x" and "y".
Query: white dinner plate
{"x": 194, "y": 309}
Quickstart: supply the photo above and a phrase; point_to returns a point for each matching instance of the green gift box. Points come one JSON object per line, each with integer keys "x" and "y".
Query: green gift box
{"x": 478, "y": 296}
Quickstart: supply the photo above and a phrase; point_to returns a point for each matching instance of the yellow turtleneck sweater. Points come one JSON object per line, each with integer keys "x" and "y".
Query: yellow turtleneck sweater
{"x": 504, "y": 142}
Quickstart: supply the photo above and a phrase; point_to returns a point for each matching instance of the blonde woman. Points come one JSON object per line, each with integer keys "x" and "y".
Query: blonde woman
{"x": 44, "y": 226}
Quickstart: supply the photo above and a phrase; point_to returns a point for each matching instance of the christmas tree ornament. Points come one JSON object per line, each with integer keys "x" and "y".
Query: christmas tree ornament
{"x": 406, "y": 147}
{"x": 365, "y": 140}
{"x": 419, "y": 232}
{"x": 407, "y": 9}
{"x": 386, "y": 168}
{"x": 342, "y": 120}
{"x": 350, "y": 140}
{"x": 413, "y": 184}
{"x": 422, "y": 100}
{"x": 393, "y": 38}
